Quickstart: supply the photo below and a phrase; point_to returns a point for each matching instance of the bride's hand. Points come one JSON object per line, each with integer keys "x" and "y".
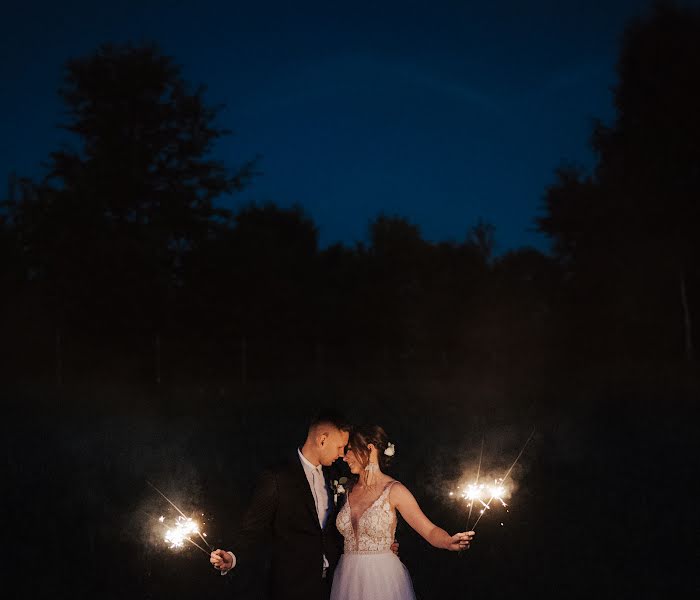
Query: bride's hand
{"x": 460, "y": 541}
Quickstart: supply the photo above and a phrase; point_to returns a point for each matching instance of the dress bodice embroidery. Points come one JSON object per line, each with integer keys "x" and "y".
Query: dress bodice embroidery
{"x": 375, "y": 527}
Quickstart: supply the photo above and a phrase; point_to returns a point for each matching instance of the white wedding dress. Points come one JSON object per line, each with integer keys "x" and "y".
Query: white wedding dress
{"x": 368, "y": 569}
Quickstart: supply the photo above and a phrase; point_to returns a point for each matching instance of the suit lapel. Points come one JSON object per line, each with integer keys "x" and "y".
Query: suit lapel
{"x": 305, "y": 489}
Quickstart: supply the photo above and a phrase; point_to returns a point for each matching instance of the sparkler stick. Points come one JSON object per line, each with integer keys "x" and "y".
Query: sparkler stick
{"x": 517, "y": 458}
{"x": 178, "y": 510}
{"x": 476, "y": 482}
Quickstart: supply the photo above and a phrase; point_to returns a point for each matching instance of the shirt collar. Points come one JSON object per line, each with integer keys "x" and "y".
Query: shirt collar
{"x": 305, "y": 462}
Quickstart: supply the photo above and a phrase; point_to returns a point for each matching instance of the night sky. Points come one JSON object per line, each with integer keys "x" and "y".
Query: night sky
{"x": 442, "y": 112}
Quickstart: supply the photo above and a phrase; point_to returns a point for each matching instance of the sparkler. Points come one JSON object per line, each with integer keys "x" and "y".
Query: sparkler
{"x": 478, "y": 492}
{"x": 472, "y": 489}
{"x": 476, "y": 482}
{"x": 178, "y": 535}
{"x": 498, "y": 490}
{"x": 184, "y": 527}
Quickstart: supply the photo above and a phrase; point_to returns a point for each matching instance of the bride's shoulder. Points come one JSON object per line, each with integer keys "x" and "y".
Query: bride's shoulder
{"x": 395, "y": 488}
{"x": 400, "y": 494}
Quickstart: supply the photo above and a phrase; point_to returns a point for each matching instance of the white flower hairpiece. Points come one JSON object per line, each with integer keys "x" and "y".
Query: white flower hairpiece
{"x": 390, "y": 449}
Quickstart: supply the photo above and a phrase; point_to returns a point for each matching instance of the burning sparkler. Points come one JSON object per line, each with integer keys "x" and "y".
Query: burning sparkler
{"x": 479, "y": 494}
{"x": 498, "y": 490}
{"x": 483, "y": 495}
{"x": 184, "y": 527}
{"x": 476, "y": 481}
{"x": 179, "y": 534}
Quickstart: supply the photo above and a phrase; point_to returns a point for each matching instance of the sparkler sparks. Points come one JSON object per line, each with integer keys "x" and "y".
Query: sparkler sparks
{"x": 184, "y": 527}
{"x": 478, "y": 493}
{"x": 179, "y": 534}
{"x": 483, "y": 495}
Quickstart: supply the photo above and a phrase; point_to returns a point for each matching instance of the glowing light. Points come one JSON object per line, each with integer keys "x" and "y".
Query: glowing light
{"x": 486, "y": 494}
{"x": 177, "y": 535}
{"x": 184, "y": 527}
{"x": 481, "y": 496}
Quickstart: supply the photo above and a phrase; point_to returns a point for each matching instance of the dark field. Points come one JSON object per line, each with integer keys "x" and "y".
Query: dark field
{"x": 602, "y": 504}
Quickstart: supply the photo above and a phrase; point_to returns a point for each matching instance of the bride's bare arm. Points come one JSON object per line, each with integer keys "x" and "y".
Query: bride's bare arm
{"x": 407, "y": 505}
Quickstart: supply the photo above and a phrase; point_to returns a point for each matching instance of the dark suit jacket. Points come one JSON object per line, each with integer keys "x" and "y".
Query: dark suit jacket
{"x": 282, "y": 518}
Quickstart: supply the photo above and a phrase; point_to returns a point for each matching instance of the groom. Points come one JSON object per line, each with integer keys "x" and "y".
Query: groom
{"x": 292, "y": 511}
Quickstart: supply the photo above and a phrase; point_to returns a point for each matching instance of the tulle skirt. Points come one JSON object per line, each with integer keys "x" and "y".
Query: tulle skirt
{"x": 375, "y": 576}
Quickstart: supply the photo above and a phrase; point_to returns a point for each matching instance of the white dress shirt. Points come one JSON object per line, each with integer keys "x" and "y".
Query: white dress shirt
{"x": 317, "y": 483}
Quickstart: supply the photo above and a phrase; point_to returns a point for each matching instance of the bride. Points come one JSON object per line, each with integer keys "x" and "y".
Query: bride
{"x": 368, "y": 569}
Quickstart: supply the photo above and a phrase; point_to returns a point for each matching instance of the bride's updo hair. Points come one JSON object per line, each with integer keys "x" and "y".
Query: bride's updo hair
{"x": 362, "y": 436}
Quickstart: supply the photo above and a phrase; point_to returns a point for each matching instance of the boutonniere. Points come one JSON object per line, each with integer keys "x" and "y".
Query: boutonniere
{"x": 338, "y": 486}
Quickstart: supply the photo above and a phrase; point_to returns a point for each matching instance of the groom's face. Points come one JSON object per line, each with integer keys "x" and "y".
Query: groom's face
{"x": 333, "y": 446}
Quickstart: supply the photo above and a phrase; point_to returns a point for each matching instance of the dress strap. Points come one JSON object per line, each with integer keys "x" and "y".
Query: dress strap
{"x": 388, "y": 486}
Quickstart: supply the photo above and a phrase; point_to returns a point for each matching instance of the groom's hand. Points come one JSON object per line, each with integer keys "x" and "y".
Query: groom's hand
{"x": 395, "y": 548}
{"x": 221, "y": 560}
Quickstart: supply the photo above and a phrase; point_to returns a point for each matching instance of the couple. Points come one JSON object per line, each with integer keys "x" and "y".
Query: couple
{"x": 293, "y": 510}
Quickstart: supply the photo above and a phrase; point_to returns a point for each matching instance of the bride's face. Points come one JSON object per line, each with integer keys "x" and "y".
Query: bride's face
{"x": 352, "y": 461}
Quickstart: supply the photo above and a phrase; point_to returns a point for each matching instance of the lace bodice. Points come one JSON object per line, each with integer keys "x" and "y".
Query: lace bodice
{"x": 375, "y": 527}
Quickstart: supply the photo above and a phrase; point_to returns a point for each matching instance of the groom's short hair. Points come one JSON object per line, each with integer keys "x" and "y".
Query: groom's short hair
{"x": 329, "y": 417}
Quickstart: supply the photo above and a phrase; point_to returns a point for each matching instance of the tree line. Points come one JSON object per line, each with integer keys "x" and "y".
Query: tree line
{"x": 122, "y": 260}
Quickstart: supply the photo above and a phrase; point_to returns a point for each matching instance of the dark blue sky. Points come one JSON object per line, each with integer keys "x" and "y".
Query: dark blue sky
{"x": 442, "y": 112}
